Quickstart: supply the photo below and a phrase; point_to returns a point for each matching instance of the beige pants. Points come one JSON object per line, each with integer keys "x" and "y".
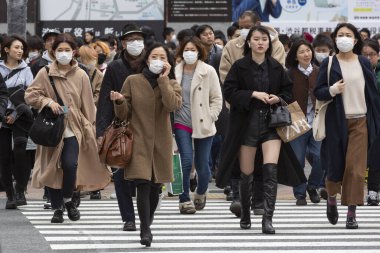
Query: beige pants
{"x": 352, "y": 186}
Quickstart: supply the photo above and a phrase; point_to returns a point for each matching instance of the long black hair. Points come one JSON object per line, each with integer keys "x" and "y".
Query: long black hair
{"x": 359, "y": 43}
{"x": 263, "y": 30}
{"x": 144, "y": 63}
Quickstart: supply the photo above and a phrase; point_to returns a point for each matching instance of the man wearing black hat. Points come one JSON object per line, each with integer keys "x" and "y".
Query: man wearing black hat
{"x": 47, "y": 56}
{"x": 117, "y": 71}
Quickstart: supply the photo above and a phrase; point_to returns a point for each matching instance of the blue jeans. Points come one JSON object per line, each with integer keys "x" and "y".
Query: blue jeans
{"x": 303, "y": 146}
{"x": 202, "y": 149}
{"x": 123, "y": 189}
{"x": 215, "y": 152}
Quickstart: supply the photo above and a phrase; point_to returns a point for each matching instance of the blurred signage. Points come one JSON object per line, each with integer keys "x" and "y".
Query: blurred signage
{"x": 199, "y": 11}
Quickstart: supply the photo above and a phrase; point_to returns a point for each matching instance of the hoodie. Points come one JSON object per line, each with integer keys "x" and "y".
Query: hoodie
{"x": 41, "y": 62}
{"x": 234, "y": 50}
{"x": 23, "y": 77}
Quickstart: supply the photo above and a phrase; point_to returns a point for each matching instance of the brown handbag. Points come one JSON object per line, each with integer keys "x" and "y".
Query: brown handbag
{"x": 115, "y": 149}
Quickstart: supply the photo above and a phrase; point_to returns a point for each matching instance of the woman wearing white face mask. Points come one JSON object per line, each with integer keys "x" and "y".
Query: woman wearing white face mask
{"x": 195, "y": 120}
{"x": 74, "y": 163}
{"x": 352, "y": 122}
{"x": 146, "y": 100}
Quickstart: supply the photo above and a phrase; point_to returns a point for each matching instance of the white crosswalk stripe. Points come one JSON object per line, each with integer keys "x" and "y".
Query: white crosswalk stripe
{"x": 215, "y": 229}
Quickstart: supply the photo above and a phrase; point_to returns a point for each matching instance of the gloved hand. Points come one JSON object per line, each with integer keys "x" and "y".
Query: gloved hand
{"x": 337, "y": 88}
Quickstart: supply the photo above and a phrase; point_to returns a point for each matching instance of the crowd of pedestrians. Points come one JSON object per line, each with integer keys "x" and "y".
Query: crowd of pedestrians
{"x": 209, "y": 93}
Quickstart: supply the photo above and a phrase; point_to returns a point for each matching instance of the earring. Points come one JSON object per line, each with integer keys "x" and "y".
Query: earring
{"x": 249, "y": 45}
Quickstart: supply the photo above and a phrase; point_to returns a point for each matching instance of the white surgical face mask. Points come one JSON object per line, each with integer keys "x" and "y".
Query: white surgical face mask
{"x": 135, "y": 47}
{"x": 156, "y": 66}
{"x": 33, "y": 55}
{"x": 244, "y": 32}
{"x": 344, "y": 44}
{"x": 190, "y": 57}
{"x": 321, "y": 56}
{"x": 219, "y": 46}
{"x": 64, "y": 58}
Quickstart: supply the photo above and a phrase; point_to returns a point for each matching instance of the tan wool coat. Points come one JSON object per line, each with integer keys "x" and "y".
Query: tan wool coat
{"x": 234, "y": 49}
{"x": 148, "y": 111}
{"x": 75, "y": 91}
{"x": 96, "y": 78}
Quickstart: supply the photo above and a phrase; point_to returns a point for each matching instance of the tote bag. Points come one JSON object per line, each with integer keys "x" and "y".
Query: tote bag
{"x": 299, "y": 124}
{"x": 319, "y": 121}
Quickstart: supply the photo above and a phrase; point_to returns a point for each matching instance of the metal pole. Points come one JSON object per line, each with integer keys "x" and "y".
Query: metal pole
{"x": 16, "y": 17}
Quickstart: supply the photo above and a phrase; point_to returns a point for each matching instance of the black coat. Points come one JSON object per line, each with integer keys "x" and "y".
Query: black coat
{"x": 38, "y": 64}
{"x": 117, "y": 72}
{"x": 334, "y": 146}
{"x": 3, "y": 98}
{"x": 237, "y": 89}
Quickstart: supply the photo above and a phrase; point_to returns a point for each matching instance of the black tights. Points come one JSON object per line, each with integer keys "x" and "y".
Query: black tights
{"x": 69, "y": 164}
{"x": 147, "y": 200}
{"x": 19, "y": 170}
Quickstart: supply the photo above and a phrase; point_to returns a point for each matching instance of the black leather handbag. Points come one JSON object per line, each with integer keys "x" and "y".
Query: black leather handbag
{"x": 47, "y": 129}
{"x": 279, "y": 116}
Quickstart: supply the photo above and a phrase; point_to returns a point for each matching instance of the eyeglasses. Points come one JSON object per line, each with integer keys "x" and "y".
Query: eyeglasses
{"x": 133, "y": 39}
{"x": 370, "y": 55}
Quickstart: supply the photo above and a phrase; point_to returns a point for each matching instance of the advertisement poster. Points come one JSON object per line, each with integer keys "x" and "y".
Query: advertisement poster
{"x": 100, "y": 16}
{"x": 315, "y": 16}
{"x": 199, "y": 11}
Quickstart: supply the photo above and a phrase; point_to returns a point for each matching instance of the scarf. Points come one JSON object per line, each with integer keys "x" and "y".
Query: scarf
{"x": 134, "y": 62}
{"x": 151, "y": 77}
{"x": 306, "y": 71}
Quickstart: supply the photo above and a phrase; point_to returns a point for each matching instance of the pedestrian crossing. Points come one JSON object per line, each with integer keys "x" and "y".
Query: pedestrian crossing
{"x": 215, "y": 229}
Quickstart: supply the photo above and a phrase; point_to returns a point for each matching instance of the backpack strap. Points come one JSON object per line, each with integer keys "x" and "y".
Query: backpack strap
{"x": 93, "y": 77}
{"x": 12, "y": 73}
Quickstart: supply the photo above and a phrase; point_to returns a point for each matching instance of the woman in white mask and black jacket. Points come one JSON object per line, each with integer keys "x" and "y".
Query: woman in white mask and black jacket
{"x": 194, "y": 122}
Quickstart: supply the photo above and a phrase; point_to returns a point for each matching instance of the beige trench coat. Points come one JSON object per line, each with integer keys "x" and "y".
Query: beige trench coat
{"x": 75, "y": 91}
{"x": 96, "y": 83}
{"x": 234, "y": 49}
{"x": 148, "y": 112}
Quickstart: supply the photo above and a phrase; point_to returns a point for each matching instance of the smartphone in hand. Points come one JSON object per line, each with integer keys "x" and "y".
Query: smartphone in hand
{"x": 65, "y": 110}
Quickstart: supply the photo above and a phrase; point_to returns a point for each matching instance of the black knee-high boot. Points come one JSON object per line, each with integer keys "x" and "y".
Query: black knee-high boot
{"x": 154, "y": 199}
{"x": 143, "y": 208}
{"x": 245, "y": 191}
{"x": 270, "y": 194}
{"x": 257, "y": 195}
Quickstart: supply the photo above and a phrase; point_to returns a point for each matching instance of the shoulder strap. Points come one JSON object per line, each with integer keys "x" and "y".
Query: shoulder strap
{"x": 93, "y": 76}
{"x": 328, "y": 70}
{"x": 60, "y": 102}
{"x": 12, "y": 73}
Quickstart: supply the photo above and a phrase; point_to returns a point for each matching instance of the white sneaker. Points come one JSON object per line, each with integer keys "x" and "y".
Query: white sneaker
{"x": 113, "y": 196}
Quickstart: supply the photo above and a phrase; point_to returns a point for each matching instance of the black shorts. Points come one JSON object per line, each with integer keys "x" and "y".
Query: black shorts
{"x": 258, "y": 131}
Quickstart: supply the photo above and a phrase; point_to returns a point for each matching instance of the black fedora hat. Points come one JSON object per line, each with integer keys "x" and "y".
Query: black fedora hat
{"x": 129, "y": 29}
